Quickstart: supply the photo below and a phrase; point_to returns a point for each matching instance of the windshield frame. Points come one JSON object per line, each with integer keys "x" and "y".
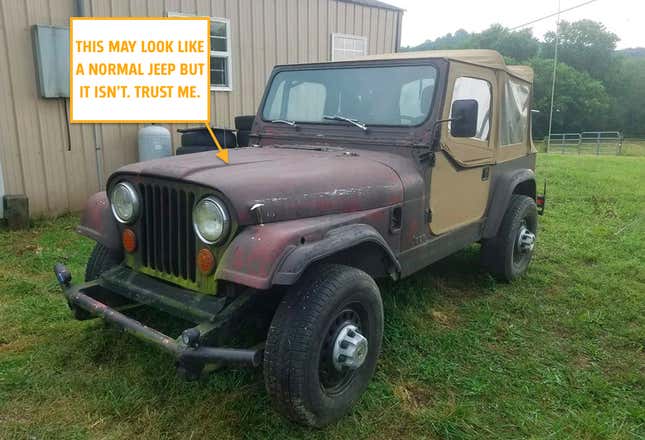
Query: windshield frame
{"x": 435, "y": 63}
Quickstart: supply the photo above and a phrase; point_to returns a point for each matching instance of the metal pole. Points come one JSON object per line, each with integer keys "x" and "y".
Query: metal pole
{"x": 555, "y": 66}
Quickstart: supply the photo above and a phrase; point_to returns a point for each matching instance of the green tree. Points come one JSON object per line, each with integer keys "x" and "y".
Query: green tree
{"x": 518, "y": 45}
{"x": 585, "y": 45}
{"x": 581, "y": 102}
{"x": 625, "y": 85}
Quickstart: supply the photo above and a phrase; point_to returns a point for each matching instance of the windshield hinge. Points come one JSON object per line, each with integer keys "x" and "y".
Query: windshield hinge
{"x": 426, "y": 157}
{"x": 429, "y": 216}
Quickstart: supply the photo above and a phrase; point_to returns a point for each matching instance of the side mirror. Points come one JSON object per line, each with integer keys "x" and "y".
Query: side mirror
{"x": 464, "y": 118}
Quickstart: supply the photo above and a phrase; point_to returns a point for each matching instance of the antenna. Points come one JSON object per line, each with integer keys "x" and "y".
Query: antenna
{"x": 555, "y": 68}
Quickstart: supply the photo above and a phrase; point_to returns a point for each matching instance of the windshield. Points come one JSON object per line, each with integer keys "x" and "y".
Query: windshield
{"x": 395, "y": 96}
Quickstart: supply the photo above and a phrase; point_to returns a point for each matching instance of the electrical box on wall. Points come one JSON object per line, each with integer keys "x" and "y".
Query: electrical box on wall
{"x": 51, "y": 53}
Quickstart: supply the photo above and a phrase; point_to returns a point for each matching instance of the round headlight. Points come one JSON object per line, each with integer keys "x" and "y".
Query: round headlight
{"x": 210, "y": 220}
{"x": 125, "y": 202}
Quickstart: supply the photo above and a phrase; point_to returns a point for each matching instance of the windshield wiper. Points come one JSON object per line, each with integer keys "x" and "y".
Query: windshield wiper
{"x": 355, "y": 122}
{"x": 284, "y": 121}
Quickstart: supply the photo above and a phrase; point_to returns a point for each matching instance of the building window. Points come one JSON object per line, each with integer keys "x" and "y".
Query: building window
{"x": 347, "y": 47}
{"x": 220, "y": 36}
{"x": 220, "y": 54}
{"x": 480, "y": 91}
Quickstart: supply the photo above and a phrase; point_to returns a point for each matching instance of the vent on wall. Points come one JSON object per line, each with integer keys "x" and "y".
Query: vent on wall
{"x": 51, "y": 54}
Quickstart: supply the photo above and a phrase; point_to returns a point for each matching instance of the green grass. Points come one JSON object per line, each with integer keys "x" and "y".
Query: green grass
{"x": 557, "y": 354}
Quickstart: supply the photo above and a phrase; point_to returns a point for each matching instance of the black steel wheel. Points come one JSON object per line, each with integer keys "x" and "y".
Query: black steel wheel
{"x": 509, "y": 254}
{"x": 323, "y": 344}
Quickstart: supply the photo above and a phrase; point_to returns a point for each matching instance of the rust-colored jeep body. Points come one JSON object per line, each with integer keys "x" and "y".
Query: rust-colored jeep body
{"x": 382, "y": 165}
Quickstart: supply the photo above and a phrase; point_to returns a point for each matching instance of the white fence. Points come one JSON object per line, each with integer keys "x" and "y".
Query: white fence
{"x": 587, "y": 142}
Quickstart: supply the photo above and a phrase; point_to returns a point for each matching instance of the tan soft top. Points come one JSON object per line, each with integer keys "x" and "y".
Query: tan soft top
{"x": 480, "y": 57}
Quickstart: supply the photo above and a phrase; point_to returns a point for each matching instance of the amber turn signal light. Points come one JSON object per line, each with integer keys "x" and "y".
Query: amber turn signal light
{"x": 129, "y": 240}
{"x": 205, "y": 261}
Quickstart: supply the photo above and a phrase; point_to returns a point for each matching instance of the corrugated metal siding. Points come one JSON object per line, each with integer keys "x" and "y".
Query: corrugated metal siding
{"x": 33, "y": 142}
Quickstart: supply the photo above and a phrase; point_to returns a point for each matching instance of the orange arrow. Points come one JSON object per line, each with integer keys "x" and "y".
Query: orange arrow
{"x": 223, "y": 152}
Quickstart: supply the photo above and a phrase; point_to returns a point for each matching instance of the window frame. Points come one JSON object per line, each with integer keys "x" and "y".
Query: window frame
{"x": 214, "y": 53}
{"x": 347, "y": 36}
{"x": 377, "y": 64}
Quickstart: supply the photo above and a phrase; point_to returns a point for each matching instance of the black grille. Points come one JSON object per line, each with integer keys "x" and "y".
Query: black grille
{"x": 167, "y": 241}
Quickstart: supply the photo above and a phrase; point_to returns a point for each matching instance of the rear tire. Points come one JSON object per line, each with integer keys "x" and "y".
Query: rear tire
{"x": 301, "y": 367}
{"x": 507, "y": 256}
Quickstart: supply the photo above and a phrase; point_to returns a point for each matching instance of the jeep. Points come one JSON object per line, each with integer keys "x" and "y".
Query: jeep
{"x": 357, "y": 170}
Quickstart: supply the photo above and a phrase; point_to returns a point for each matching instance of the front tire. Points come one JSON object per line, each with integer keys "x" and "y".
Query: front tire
{"x": 323, "y": 344}
{"x": 508, "y": 255}
{"x": 101, "y": 260}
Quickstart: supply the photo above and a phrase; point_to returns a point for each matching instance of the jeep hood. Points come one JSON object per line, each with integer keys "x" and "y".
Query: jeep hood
{"x": 292, "y": 183}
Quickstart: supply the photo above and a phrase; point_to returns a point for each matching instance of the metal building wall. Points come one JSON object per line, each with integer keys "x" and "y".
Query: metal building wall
{"x": 33, "y": 137}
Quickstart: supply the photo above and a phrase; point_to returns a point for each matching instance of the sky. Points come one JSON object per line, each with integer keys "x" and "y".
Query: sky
{"x": 429, "y": 19}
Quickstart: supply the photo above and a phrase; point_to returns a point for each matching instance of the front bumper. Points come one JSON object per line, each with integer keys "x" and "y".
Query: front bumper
{"x": 131, "y": 288}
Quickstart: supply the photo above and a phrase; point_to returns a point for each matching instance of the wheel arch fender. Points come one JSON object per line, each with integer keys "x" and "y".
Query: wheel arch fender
{"x": 520, "y": 181}
{"x": 278, "y": 254}
{"x": 359, "y": 245}
{"x": 98, "y": 223}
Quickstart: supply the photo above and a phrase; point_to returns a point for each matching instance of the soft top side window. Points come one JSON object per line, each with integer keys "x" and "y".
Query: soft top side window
{"x": 481, "y": 91}
{"x": 513, "y": 127}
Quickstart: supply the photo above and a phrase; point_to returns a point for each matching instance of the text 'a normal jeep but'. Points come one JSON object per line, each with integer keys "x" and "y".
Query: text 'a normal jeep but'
{"x": 358, "y": 170}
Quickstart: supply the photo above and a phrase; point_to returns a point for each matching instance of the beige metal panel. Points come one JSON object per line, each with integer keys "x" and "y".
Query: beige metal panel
{"x": 312, "y": 31}
{"x": 270, "y": 40}
{"x": 281, "y": 33}
{"x": 323, "y": 31}
{"x": 341, "y": 14}
{"x": 332, "y": 26}
{"x": 358, "y": 20}
{"x": 373, "y": 34}
{"x": 303, "y": 34}
{"x": 381, "y": 30}
{"x": 349, "y": 18}
{"x": 258, "y": 18}
{"x": 52, "y": 139}
{"x": 21, "y": 69}
{"x": 365, "y": 30}
{"x": 390, "y": 24}
{"x": 12, "y": 167}
{"x": 397, "y": 31}
{"x": 292, "y": 31}
{"x": 79, "y": 157}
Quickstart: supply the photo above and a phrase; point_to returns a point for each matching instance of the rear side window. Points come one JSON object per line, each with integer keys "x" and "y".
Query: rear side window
{"x": 513, "y": 127}
{"x": 480, "y": 91}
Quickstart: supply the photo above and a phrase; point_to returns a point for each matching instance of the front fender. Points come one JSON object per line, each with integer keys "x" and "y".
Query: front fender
{"x": 505, "y": 185}
{"x": 98, "y": 223}
{"x": 278, "y": 253}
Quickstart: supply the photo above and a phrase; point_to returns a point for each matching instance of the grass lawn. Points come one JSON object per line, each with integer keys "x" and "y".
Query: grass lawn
{"x": 557, "y": 354}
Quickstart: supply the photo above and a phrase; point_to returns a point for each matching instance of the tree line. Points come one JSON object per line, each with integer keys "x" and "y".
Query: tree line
{"x": 598, "y": 88}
